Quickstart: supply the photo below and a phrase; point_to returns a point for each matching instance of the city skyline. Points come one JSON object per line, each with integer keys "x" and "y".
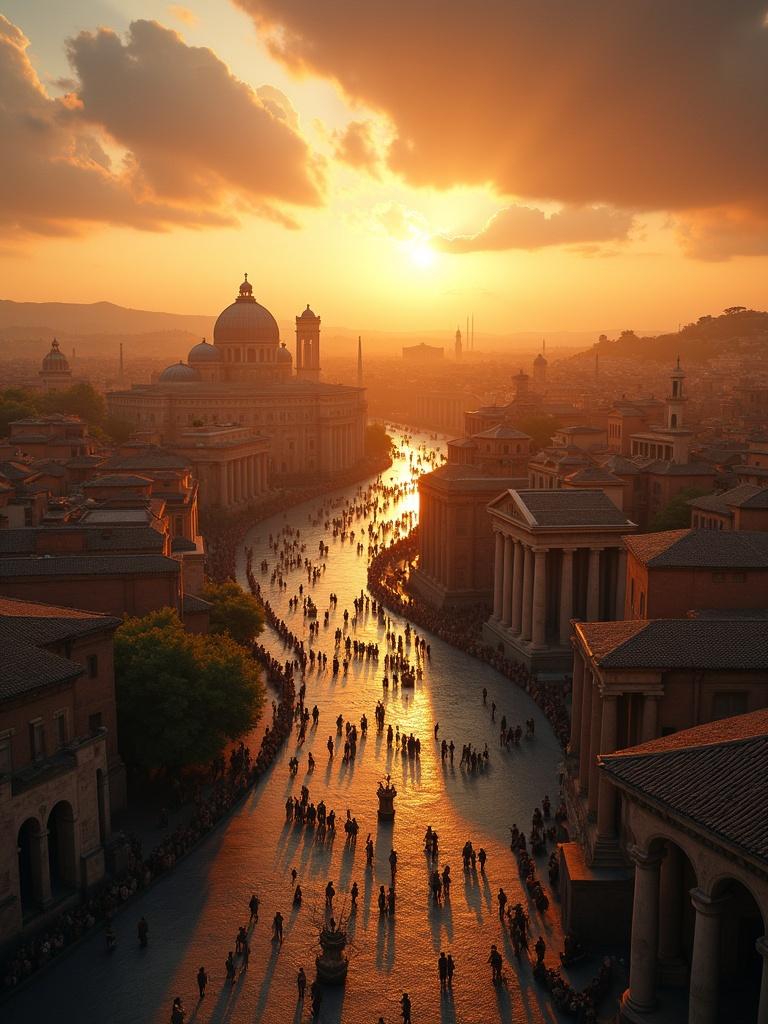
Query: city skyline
{"x": 617, "y": 166}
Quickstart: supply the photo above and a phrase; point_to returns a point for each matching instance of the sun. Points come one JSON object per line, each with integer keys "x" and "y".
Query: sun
{"x": 421, "y": 253}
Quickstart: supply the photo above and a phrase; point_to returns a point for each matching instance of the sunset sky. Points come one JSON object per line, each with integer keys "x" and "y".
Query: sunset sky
{"x": 549, "y": 166}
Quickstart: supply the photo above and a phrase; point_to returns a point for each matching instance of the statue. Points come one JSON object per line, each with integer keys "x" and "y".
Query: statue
{"x": 386, "y": 794}
{"x": 332, "y": 964}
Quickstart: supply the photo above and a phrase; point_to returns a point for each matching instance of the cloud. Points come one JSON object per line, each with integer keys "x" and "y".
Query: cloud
{"x": 718, "y": 234}
{"x": 55, "y": 176}
{"x": 642, "y": 105}
{"x": 524, "y": 227}
{"x": 399, "y": 222}
{"x": 355, "y": 146}
{"x": 194, "y": 130}
{"x": 152, "y": 134}
{"x": 183, "y": 14}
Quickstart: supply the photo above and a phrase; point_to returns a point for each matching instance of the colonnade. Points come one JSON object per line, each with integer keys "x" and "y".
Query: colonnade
{"x": 343, "y": 445}
{"x": 523, "y": 581}
{"x": 656, "y": 935}
{"x": 595, "y": 730}
{"x": 243, "y": 478}
{"x": 436, "y": 548}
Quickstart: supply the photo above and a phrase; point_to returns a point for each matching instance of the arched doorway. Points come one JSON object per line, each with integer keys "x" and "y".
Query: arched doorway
{"x": 741, "y": 966}
{"x": 28, "y": 844}
{"x": 677, "y": 917}
{"x": 61, "y": 849}
{"x": 101, "y": 797}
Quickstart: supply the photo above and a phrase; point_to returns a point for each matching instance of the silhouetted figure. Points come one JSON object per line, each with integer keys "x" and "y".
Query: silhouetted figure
{"x": 202, "y": 981}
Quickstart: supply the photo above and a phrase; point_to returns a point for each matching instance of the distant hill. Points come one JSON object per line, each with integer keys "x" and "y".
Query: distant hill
{"x": 97, "y": 318}
{"x": 736, "y": 330}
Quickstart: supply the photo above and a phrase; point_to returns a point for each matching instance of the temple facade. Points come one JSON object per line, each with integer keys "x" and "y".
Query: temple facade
{"x": 558, "y": 555}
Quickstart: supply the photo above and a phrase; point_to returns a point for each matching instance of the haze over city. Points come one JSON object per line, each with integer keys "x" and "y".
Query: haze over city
{"x": 383, "y": 512}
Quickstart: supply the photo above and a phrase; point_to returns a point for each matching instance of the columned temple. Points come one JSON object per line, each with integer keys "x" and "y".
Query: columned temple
{"x": 559, "y": 555}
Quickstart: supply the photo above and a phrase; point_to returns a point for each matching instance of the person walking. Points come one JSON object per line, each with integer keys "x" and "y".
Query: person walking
{"x": 442, "y": 970}
{"x": 301, "y": 983}
{"x": 202, "y": 981}
{"x": 393, "y": 864}
{"x": 253, "y": 906}
{"x": 405, "y": 1011}
{"x": 277, "y": 927}
{"x": 495, "y": 961}
{"x": 451, "y": 968}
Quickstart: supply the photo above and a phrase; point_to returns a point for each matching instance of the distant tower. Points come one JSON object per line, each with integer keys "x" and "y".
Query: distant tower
{"x": 676, "y": 400}
{"x": 521, "y": 381}
{"x": 55, "y": 373}
{"x": 540, "y": 367}
{"x": 359, "y": 361}
{"x": 308, "y": 346}
{"x": 457, "y": 345}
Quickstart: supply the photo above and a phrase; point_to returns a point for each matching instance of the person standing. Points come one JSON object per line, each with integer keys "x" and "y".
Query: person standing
{"x": 393, "y": 864}
{"x": 301, "y": 983}
{"x": 253, "y": 906}
{"x": 405, "y": 1011}
{"x": 451, "y": 969}
{"x": 277, "y": 927}
{"x": 202, "y": 981}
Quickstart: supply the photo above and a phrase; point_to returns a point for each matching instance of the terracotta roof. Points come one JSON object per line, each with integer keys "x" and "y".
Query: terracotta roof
{"x": 743, "y": 496}
{"x": 503, "y": 432}
{"x": 712, "y": 775}
{"x": 119, "y": 480}
{"x": 661, "y": 467}
{"x": 151, "y": 458}
{"x": 593, "y": 475}
{"x": 716, "y": 549}
{"x": 738, "y": 644}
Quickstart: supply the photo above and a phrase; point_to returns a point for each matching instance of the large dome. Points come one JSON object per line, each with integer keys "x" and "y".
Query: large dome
{"x": 246, "y": 320}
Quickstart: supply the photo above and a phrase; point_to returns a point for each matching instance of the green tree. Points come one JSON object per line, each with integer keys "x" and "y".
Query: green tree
{"x": 82, "y": 400}
{"x": 180, "y": 696}
{"x": 15, "y": 404}
{"x": 540, "y": 427}
{"x": 377, "y": 440}
{"x": 677, "y": 514}
{"x": 119, "y": 430}
{"x": 235, "y": 612}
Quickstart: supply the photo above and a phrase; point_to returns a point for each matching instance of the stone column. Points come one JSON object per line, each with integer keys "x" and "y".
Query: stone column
{"x": 566, "y": 595}
{"x": 586, "y": 727}
{"x": 621, "y": 584}
{"x": 540, "y": 599}
{"x": 606, "y": 796}
{"x": 230, "y": 483}
{"x": 507, "y": 569}
{"x": 594, "y": 747}
{"x": 576, "y": 699}
{"x": 498, "y": 576}
{"x": 593, "y": 586}
{"x": 641, "y": 994}
{"x": 223, "y": 494}
{"x": 650, "y": 721}
{"x": 762, "y": 1010}
{"x": 527, "y": 595}
{"x": 517, "y": 589}
{"x": 705, "y": 961}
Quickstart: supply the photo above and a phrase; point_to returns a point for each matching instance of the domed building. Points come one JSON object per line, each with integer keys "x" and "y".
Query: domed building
{"x": 246, "y": 389}
{"x": 55, "y": 373}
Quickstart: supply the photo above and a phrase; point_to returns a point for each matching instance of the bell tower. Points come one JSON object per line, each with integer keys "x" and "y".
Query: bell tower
{"x": 675, "y": 400}
{"x": 308, "y": 346}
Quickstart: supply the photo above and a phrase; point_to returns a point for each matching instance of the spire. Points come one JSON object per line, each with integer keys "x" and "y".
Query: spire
{"x": 359, "y": 361}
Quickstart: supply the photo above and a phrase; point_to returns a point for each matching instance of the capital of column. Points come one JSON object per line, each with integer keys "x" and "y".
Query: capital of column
{"x": 646, "y": 860}
{"x": 709, "y": 906}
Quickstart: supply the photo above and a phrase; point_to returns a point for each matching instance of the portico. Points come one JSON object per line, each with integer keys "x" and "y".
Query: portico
{"x": 558, "y": 555}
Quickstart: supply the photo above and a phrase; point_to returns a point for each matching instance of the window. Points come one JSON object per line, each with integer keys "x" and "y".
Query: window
{"x": 62, "y": 729}
{"x": 729, "y": 703}
{"x": 94, "y": 723}
{"x": 92, "y": 663}
{"x": 37, "y": 739}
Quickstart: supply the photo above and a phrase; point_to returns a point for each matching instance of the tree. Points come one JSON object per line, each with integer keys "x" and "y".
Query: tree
{"x": 540, "y": 427}
{"x": 119, "y": 430}
{"x": 235, "y": 612}
{"x": 677, "y": 514}
{"x": 82, "y": 400}
{"x": 15, "y": 404}
{"x": 377, "y": 441}
{"x": 180, "y": 696}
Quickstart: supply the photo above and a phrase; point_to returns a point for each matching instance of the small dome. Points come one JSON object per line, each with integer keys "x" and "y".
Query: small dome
{"x": 55, "y": 359}
{"x": 308, "y": 314}
{"x": 283, "y": 355}
{"x": 177, "y": 373}
{"x": 204, "y": 353}
{"x": 539, "y": 360}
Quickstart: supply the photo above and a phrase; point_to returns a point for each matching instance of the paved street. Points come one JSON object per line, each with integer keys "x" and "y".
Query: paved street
{"x": 194, "y": 913}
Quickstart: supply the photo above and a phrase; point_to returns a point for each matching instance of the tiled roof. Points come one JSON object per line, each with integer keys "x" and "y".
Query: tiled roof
{"x": 727, "y": 644}
{"x": 572, "y": 508}
{"x": 662, "y": 467}
{"x": 712, "y": 775}
{"x": 153, "y": 458}
{"x": 119, "y": 480}
{"x": 26, "y": 628}
{"x": 715, "y": 549}
{"x": 192, "y": 603}
{"x": 593, "y": 475}
{"x": 13, "y": 470}
{"x": 502, "y": 432}
{"x": 88, "y": 565}
{"x": 743, "y": 496}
